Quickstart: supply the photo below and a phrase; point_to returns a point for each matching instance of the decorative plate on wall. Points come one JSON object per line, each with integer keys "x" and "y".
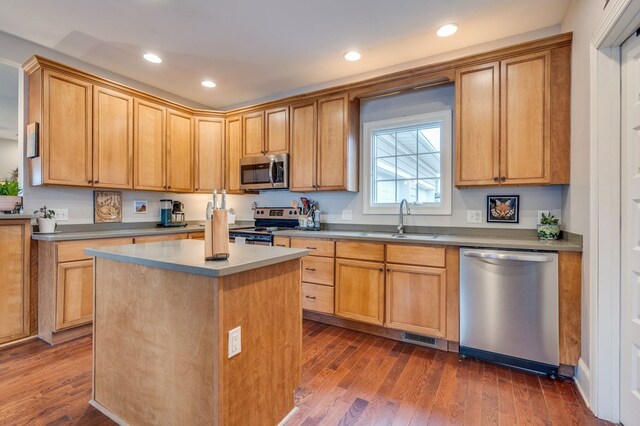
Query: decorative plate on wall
{"x": 107, "y": 206}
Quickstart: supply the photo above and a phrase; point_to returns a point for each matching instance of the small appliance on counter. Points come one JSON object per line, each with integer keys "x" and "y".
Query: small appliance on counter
{"x": 177, "y": 214}
{"x": 166, "y": 215}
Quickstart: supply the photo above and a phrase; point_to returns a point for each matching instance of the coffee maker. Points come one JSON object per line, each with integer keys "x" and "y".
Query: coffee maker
{"x": 167, "y": 210}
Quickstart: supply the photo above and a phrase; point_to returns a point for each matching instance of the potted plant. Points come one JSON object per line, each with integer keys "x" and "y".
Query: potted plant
{"x": 46, "y": 221}
{"x": 9, "y": 197}
{"x": 549, "y": 227}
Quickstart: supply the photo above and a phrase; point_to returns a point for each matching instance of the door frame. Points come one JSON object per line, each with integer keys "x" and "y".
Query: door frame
{"x": 600, "y": 381}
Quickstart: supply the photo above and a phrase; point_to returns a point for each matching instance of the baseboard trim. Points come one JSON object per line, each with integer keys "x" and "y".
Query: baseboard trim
{"x": 582, "y": 380}
{"x": 95, "y": 404}
{"x": 289, "y": 416}
{"x": 17, "y": 342}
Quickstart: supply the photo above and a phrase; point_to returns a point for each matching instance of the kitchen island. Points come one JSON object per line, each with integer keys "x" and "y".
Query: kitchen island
{"x": 161, "y": 334}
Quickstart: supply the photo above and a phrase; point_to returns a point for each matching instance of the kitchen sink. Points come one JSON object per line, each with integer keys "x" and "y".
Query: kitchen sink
{"x": 414, "y": 236}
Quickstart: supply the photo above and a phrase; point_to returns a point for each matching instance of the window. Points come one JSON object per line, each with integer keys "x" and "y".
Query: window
{"x": 410, "y": 158}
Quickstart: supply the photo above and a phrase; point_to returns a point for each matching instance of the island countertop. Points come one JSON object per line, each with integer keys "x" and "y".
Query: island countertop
{"x": 188, "y": 256}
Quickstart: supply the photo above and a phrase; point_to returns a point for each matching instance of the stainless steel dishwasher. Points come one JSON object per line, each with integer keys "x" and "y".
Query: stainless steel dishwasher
{"x": 509, "y": 308}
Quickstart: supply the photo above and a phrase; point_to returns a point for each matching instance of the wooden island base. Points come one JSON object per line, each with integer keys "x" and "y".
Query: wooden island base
{"x": 160, "y": 344}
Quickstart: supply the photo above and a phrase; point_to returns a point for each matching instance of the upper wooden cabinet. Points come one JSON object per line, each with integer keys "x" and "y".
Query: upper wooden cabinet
{"x": 234, "y": 153}
{"x": 324, "y": 138}
{"x": 149, "y": 146}
{"x": 265, "y": 132}
{"x": 62, "y": 105}
{"x": 512, "y": 120}
{"x": 210, "y": 154}
{"x": 179, "y": 152}
{"x": 112, "y": 139}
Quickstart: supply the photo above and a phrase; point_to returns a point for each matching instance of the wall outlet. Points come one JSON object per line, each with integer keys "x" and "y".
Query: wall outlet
{"x": 474, "y": 216}
{"x": 347, "y": 215}
{"x": 235, "y": 342}
{"x": 61, "y": 214}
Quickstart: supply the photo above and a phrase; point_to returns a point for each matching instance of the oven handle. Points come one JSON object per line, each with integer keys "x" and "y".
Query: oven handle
{"x": 271, "y": 179}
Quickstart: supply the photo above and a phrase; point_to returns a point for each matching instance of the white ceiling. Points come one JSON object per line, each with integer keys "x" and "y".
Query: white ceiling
{"x": 253, "y": 49}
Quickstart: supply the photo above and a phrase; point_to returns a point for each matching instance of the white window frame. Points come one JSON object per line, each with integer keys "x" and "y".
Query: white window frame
{"x": 446, "y": 176}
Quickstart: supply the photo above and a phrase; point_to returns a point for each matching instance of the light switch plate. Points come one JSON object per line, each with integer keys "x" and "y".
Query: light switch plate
{"x": 474, "y": 216}
{"x": 347, "y": 215}
{"x": 235, "y": 342}
{"x": 61, "y": 214}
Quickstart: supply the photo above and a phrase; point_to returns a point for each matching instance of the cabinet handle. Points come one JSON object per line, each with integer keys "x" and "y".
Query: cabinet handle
{"x": 503, "y": 178}
{"x": 169, "y": 186}
{"x": 311, "y": 297}
{"x": 495, "y": 178}
{"x": 89, "y": 181}
{"x": 96, "y": 181}
{"x": 389, "y": 270}
{"x": 381, "y": 270}
{"x": 311, "y": 248}
{"x": 310, "y": 269}
{"x": 280, "y": 245}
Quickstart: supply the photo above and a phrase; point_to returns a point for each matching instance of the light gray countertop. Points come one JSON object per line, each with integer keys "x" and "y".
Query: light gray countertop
{"x": 510, "y": 242}
{"x": 188, "y": 256}
{"x": 15, "y": 216}
{"x": 113, "y": 233}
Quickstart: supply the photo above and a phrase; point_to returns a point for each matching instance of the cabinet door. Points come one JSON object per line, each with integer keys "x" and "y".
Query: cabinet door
{"x": 74, "y": 294}
{"x": 333, "y": 131}
{"x": 360, "y": 290}
{"x": 253, "y": 132}
{"x": 66, "y": 130}
{"x": 14, "y": 290}
{"x": 209, "y": 159}
{"x": 112, "y": 139}
{"x": 302, "y": 165}
{"x": 234, "y": 153}
{"x": 179, "y": 152}
{"x": 478, "y": 125}
{"x": 277, "y": 130}
{"x": 416, "y": 299}
{"x": 525, "y": 107}
{"x": 149, "y": 146}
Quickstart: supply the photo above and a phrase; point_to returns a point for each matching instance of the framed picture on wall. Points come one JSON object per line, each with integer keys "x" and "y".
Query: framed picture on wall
{"x": 140, "y": 206}
{"x": 107, "y": 206}
{"x": 32, "y": 140}
{"x": 503, "y": 208}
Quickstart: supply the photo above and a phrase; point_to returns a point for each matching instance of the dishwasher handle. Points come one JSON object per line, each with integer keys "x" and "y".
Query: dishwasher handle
{"x": 522, "y": 257}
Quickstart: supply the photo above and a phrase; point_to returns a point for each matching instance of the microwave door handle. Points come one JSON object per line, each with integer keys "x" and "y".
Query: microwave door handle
{"x": 271, "y": 179}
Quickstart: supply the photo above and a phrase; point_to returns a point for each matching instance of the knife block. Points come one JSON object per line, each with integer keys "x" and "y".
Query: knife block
{"x": 216, "y": 236}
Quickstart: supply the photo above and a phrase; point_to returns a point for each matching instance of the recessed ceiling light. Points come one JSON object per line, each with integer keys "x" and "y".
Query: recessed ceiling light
{"x": 352, "y": 56}
{"x": 208, "y": 83}
{"x": 447, "y": 30}
{"x": 152, "y": 58}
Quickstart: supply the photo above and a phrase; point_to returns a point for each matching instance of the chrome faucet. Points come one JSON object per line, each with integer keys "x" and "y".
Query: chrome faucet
{"x": 401, "y": 226}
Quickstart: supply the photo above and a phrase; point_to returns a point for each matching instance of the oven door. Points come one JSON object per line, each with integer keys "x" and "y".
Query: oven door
{"x": 251, "y": 238}
{"x": 264, "y": 172}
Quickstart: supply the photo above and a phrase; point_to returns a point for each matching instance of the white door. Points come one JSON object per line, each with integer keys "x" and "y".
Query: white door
{"x": 630, "y": 289}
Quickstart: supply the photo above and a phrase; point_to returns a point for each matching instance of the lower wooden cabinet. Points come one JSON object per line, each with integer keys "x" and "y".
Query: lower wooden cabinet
{"x": 416, "y": 299}
{"x": 317, "y": 298}
{"x": 15, "y": 238}
{"x": 159, "y": 238}
{"x": 360, "y": 290}
{"x": 74, "y": 293}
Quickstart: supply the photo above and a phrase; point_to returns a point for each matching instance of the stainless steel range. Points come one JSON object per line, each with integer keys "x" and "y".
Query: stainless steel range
{"x": 267, "y": 220}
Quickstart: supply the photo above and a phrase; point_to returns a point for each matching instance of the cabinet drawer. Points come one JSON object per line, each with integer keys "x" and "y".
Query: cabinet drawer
{"x": 70, "y": 251}
{"x": 281, "y": 241}
{"x": 318, "y": 247}
{"x": 317, "y": 298}
{"x": 360, "y": 250}
{"x": 317, "y": 270}
{"x": 158, "y": 238}
{"x": 416, "y": 255}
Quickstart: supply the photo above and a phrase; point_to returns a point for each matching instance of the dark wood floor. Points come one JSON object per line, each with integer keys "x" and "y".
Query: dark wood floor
{"x": 347, "y": 378}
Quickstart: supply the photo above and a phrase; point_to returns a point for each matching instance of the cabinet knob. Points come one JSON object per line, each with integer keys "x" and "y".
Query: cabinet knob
{"x": 503, "y": 178}
{"x": 495, "y": 178}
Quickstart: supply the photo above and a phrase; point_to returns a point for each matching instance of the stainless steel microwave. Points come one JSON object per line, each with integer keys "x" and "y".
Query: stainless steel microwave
{"x": 262, "y": 172}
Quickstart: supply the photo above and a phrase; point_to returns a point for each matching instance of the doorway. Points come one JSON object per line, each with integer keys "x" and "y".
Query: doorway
{"x": 630, "y": 271}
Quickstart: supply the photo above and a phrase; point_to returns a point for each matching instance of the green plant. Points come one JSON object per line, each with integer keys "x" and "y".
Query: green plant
{"x": 45, "y": 212}
{"x": 10, "y": 187}
{"x": 549, "y": 219}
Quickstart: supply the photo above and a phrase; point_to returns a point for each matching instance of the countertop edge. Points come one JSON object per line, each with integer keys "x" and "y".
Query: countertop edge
{"x": 98, "y": 235}
{"x": 198, "y": 270}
